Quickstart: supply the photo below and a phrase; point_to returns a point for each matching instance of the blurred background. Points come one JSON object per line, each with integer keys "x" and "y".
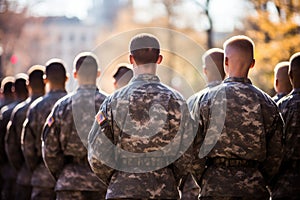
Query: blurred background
{"x": 33, "y": 31}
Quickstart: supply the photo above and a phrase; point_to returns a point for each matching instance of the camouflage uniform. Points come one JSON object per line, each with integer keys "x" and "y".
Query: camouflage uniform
{"x": 42, "y": 181}
{"x": 190, "y": 188}
{"x": 65, "y": 141}
{"x": 237, "y": 155}
{"x": 131, "y": 120}
{"x": 8, "y": 173}
{"x": 13, "y": 148}
{"x": 288, "y": 184}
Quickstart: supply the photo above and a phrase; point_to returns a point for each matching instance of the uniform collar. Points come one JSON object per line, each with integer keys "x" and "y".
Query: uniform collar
{"x": 146, "y": 77}
{"x": 296, "y": 90}
{"x": 213, "y": 84}
{"x": 87, "y": 87}
{"x": 57, "y": 91}
{"x": 238, "y": 79}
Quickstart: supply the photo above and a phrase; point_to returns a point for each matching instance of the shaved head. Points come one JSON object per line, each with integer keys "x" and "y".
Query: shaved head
{"x": 213, "y": 60}
{"x": 294, "y": 70}
{"x": 282, "y": 82}
{"x": 239, "y": 55}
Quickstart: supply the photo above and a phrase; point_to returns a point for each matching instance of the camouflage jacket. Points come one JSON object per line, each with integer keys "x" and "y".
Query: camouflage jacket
{"x": 31, "y": 137}
{"x": 138, "y": 142}
{"x": 288, "y": 184}
{"x": 236, "y": 121}
{"x": 65, "y": 140}
{"x": 7, "y": 171}
{"x": 13, "y": 141}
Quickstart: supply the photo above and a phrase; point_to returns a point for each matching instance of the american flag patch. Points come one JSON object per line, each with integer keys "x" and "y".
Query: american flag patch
{"x": 100, "y": 118}
{"x": 50, "y": 121}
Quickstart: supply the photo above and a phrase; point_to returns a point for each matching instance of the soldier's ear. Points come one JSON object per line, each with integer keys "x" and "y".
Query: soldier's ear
{"x": 98, "y": 73}
{"x": 204, "y": 70}
{"x": 160, "y": 58}
{"x": 226, "y": 61}
{"x": 75, "y": 74}
{"x": 252, "y": 63}
{"x": 45, "y": 79}
{"x": 131, "y": 59}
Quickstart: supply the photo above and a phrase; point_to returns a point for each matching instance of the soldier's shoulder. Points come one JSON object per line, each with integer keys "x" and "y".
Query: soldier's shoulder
{"x": 172, "y": 92}
{"x": 36, "y": 103}
{"x": 288, "y": 100}
{"x": 19, "y": 108}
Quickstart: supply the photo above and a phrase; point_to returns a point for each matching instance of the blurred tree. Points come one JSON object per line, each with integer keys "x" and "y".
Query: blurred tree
{"x": 12, "y": 21}
{"x": 209, "y": 31}
{"x": 275, "y": 29}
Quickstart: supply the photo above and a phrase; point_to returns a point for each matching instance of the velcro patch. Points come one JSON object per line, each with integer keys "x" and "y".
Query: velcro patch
{"x": 100, "y": 118}
{"x": 50, "y": 121}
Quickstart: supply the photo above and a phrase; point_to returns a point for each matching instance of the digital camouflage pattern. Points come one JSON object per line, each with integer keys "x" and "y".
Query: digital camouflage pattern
{"x": 237, "y": 156}
{"x": 31, "y": 139}
{"x": 190, "y": 188}
{"x": 65, "y": 141}
{"x": 288, "y": 184}
{"x": 147, "y": 125}
{"x": 13, "y": 146}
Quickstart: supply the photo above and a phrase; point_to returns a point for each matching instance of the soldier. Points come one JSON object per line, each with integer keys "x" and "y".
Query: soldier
{"x": 41, "y": 180}
{"x": 137, "y": 142}
{"x": 288, "y": 184}
{"x": 122, "y": 76}
{"x": 213, "y": 69}
{"x": 8, "y": 173}
{"x": 239, "y": 140}
{"x": 65, "y": 135}
{"x": 7, "y": 97}
{"x": 14, "y": 129}
{"x": 282, "y": 84}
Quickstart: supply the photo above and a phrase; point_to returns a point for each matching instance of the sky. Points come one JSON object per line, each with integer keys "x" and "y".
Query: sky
{"x": 220, "y": 10}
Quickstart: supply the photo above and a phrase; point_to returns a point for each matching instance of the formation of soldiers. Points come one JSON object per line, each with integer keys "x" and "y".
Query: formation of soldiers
{"x": 145, "y": 141}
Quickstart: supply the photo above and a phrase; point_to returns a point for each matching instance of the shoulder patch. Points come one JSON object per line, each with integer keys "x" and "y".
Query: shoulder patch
{"x": 50, "y": 121}
{"x": 100, "y": 118}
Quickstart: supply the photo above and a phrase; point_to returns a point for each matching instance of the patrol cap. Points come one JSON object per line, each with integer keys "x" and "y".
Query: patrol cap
{"x": 144, "y": 41}
{"x": 144, "y": 48}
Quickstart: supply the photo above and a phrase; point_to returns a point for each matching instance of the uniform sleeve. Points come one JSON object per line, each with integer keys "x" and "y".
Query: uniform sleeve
{"x": 100, "y": 150}
{"x": 28, "y": 138}
{"x": 274, "y": 147}
{"x": 182, "y": 166}
{"x": 13, "y": 143}
{"x": 51, "y": 150}
{"x": 198, "y": 164}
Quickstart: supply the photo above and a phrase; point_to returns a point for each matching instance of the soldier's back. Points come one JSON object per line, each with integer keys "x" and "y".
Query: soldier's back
{"x": 288, "y": 183}
{"x": 41, "y": 180}
{"x": 147, "y": 117}
{"x": 235, "y": 141}
{"x": 71, "y": 119}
